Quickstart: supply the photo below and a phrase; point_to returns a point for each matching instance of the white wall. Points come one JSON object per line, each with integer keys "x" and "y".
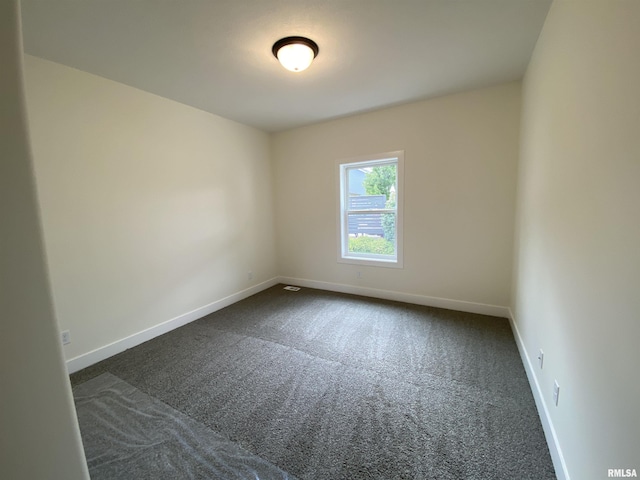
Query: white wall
{"x": 151, "y": 208}
{"x": 460, "y": 173}
{"x": 577, "y": 276}
{"x": 39, "y": 436}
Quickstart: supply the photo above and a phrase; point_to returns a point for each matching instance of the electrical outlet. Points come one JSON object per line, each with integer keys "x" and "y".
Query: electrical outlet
{"x": 541, "y": 358}
{"x": 556, "y": 392}
{"x": 66, "y": 337}
{"x": 250, "y": 275}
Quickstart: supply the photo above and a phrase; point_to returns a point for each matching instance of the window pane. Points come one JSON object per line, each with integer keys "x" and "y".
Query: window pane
{"x": 377, "y": 180}
{"x": 372, "y": 233}
{"x": 367, "y": 202}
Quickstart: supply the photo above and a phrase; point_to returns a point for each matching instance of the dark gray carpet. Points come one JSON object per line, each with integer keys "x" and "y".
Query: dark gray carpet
{"x": 333, "y": 386}
{"x": 128, "y": 434}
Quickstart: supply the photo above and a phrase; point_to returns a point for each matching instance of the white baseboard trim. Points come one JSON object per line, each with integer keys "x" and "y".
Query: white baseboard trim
{"x": 562, "y": 473}
{"x": 460, "y": 305}
{"x": 102, "y": 353}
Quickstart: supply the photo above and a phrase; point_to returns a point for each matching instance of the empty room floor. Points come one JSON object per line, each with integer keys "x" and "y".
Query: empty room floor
{"x": 316, "y": 385}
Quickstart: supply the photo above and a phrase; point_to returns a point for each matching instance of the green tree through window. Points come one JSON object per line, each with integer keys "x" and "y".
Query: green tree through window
{"x": 379, "y": 180}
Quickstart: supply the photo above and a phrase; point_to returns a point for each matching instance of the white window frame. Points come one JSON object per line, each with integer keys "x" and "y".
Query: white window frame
{"x": 344, "y": 256}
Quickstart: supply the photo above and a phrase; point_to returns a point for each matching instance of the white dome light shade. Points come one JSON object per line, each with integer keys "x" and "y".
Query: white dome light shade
{"x": 295, "y": 53}
{"x": 295, "y": 57}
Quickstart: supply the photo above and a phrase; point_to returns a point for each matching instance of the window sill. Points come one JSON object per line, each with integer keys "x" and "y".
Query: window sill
{"x": 372, "y": 262}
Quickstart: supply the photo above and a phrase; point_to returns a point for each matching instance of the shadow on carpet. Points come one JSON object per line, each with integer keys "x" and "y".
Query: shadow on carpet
{"x": 128, "y": 434}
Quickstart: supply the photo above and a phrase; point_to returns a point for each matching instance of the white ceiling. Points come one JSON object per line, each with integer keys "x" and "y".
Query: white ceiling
{"x": 216, "y": 55}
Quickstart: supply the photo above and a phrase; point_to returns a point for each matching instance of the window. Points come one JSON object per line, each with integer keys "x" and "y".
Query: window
{"x": 370, "y": 210}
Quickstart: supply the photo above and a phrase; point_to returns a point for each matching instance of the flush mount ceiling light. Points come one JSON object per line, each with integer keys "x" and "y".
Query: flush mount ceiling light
{"x": 295, "y": 53}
